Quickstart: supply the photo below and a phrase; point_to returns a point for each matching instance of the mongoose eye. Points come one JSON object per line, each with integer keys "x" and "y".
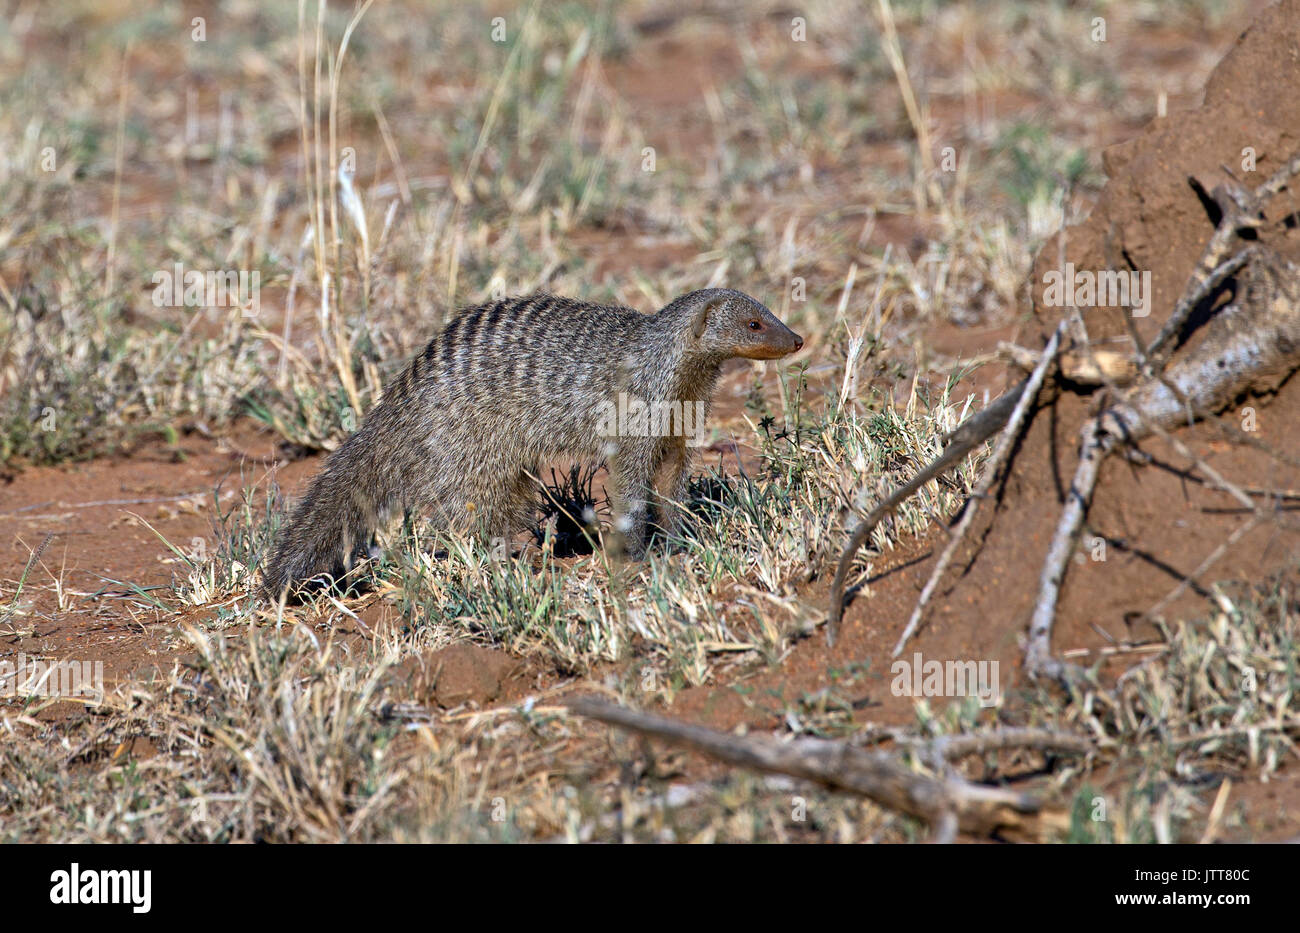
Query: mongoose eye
{"x": 755, "y": 325}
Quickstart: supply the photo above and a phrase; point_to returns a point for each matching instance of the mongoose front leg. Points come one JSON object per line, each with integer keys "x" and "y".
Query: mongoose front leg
{"x": 631, "y": 474}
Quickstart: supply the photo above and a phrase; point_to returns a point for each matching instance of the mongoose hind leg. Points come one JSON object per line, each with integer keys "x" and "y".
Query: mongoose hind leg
{"x": 671, "y": 505}
{"x": 494, "y": 501}
{"x": 519, "y": 508}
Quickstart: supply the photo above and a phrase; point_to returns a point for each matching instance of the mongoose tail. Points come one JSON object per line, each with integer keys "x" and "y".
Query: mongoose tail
{"x": 460, "y": 434}
{"x": 332, "y": 523}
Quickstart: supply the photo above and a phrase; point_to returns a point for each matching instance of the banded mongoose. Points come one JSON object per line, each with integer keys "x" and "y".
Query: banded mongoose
{"x": 460, "y": 433}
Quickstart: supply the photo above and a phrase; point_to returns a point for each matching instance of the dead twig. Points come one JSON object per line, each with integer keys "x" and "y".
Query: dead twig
{"x": 1213, "y": 558}
{"x": 1038, "y": 658}
{"x": 972, "y": 432}
{"x": 952, "y": 747}
{"x": 991, "y": 471}
{"x": 1197, "y": 293}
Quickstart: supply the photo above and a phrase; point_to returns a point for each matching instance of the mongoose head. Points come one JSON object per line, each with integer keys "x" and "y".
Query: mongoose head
{"x": 731, "y": 323}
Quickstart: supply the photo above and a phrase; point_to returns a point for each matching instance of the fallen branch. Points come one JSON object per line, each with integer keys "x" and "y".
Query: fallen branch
{"x": 947, "y": 802}
{"x": 1195, "y": 295}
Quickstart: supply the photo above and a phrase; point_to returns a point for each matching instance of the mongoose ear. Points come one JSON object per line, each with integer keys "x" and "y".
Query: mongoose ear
{"x": 702, "y": 318}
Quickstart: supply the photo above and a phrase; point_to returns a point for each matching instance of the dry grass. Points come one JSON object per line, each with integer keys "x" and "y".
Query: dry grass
{"x": 284, "y": 735}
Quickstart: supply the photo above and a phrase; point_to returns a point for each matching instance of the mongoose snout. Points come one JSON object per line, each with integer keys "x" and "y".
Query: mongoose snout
{"x": 459, "y": 435}
{"x": 777, "y": 345}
